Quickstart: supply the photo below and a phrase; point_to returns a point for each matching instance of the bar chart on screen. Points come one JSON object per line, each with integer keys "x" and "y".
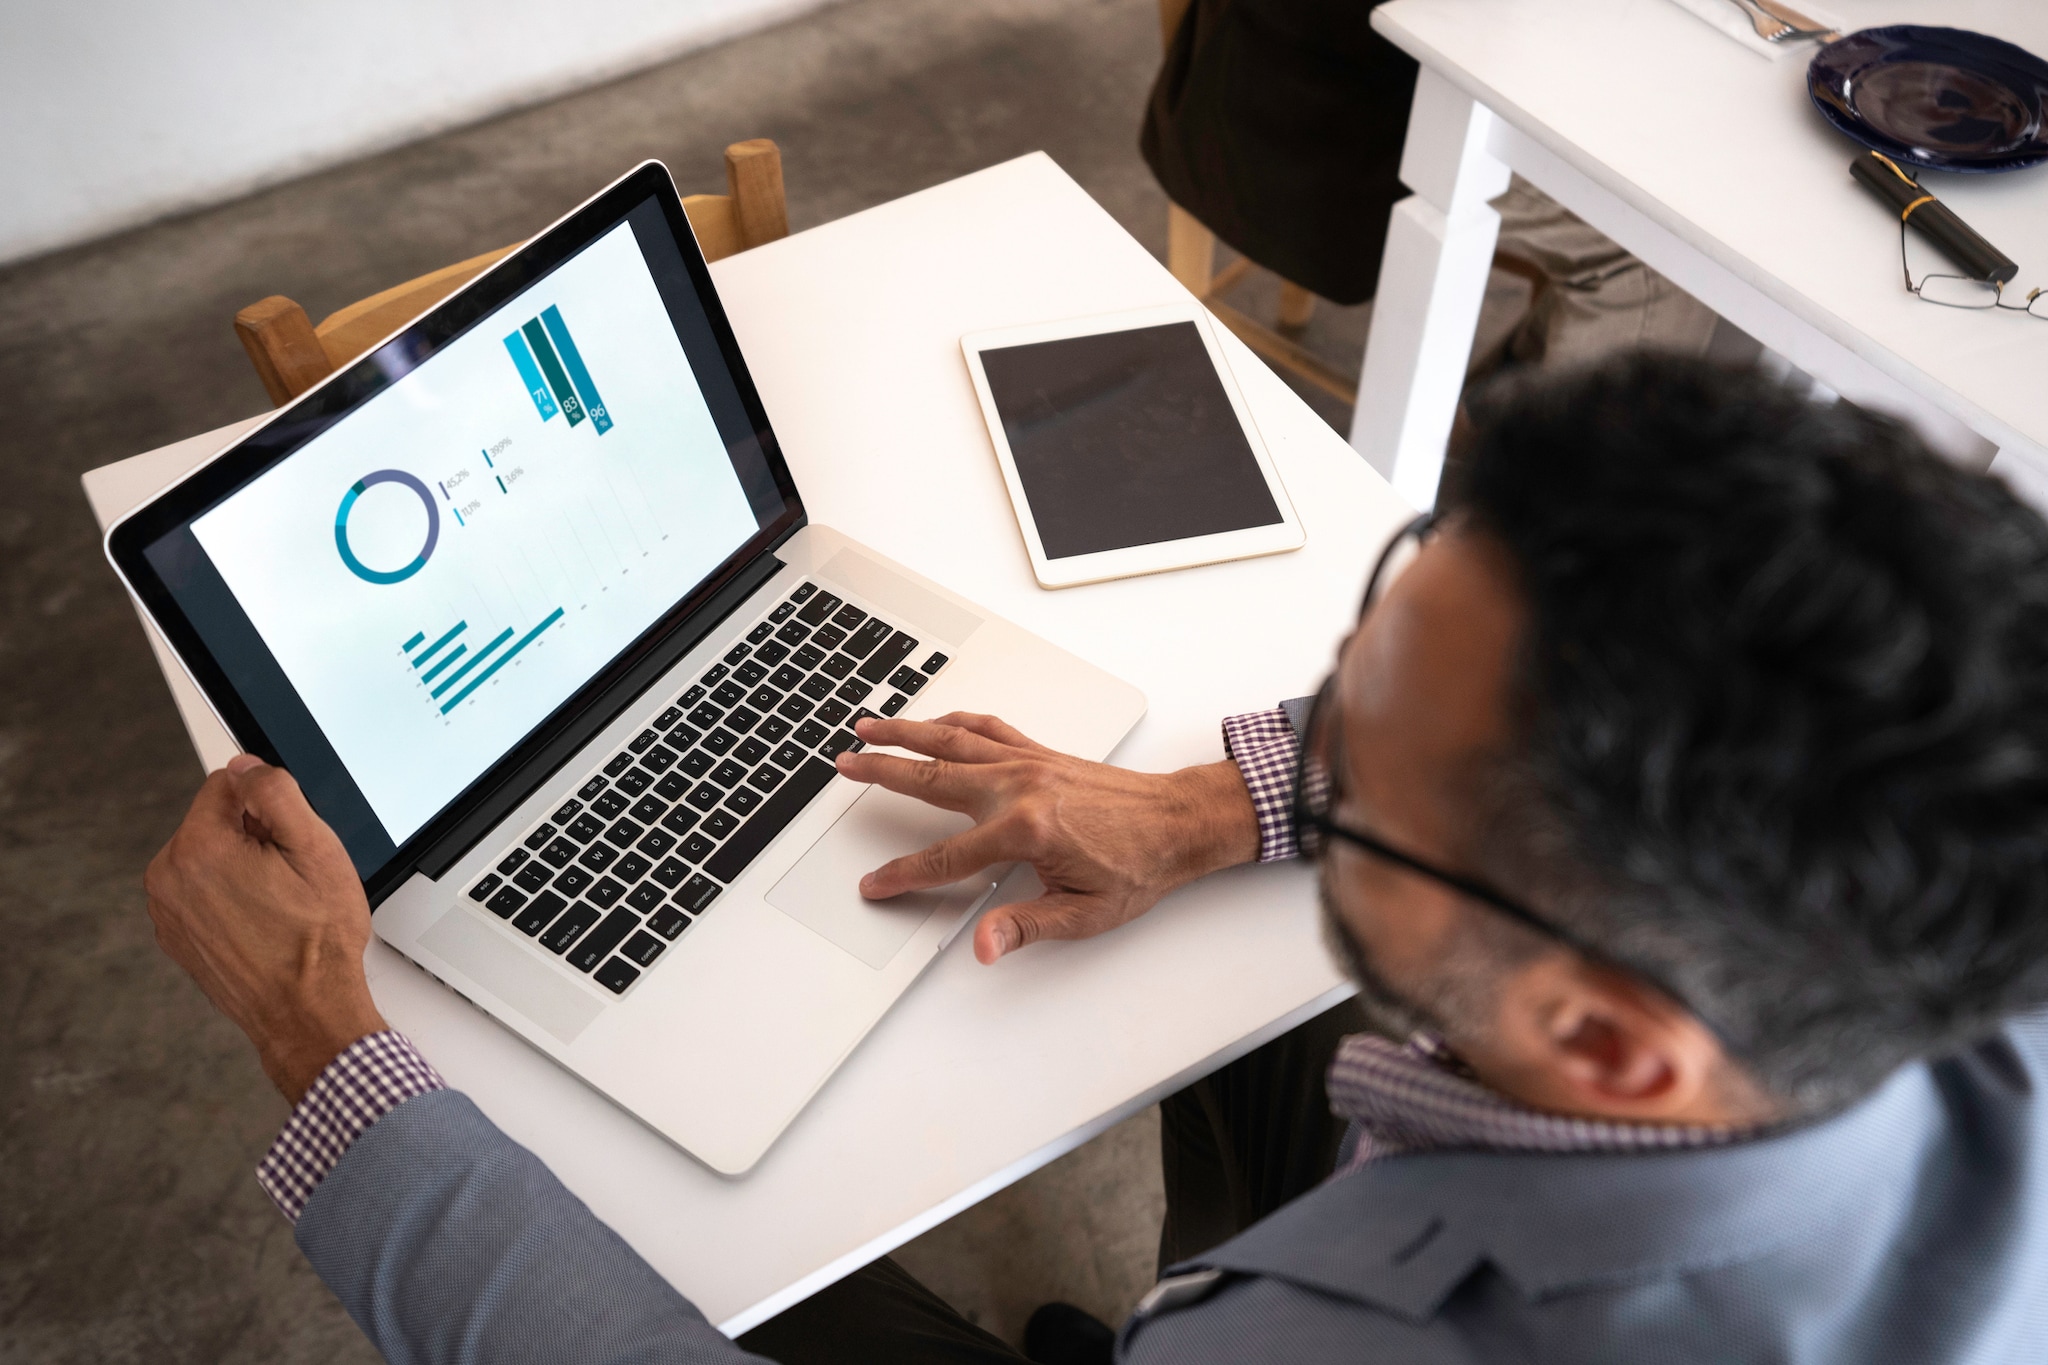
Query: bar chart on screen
{"x": 430, "y": 664}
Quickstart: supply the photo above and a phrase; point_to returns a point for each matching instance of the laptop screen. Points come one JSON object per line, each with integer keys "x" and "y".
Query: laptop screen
{"x": 406, "y": 596}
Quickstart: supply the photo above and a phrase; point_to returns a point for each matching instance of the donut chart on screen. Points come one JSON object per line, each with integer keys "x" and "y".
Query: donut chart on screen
{"x": 348, "y": 502}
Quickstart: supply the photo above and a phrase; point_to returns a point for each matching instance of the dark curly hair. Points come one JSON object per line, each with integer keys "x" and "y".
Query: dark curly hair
{"x": 1783, "y": 699}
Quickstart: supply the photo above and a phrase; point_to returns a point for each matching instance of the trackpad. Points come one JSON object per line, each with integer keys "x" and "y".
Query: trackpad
{"x": 822, "y": 892}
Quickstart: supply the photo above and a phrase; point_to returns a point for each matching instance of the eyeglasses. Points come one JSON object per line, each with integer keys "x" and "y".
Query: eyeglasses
{"x": 1960, "y": 291}
{"x": 1316, "y": 796}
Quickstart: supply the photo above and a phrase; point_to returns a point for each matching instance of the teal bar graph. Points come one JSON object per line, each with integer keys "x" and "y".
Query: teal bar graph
{"x": 522, "y": 360}
{"x": 453, "y": 678}
{"x": 544, "y": 352}
{"x": 414, "y": 643}
{"x": 572, "y": 360}
{"x": 450, "y": 657}
{"x": 497, "y": 663}
{"x": 435, "y": 648}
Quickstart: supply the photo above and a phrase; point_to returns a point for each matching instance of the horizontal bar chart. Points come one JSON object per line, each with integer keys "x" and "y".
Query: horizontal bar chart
{"x": 499, "y": 662}
{"x": 431, "y": 650}
{"x": 453, "y": 678}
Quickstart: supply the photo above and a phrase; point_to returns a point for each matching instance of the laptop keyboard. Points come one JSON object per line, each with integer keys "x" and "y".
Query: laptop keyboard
{"x": 640, "y": 853}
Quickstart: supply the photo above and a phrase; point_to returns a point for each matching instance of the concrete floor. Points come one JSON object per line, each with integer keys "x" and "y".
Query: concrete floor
{"x": 131, "y": 1116}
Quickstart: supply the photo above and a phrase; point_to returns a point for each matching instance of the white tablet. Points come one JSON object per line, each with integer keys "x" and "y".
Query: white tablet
{"x": 1126, "y": 446}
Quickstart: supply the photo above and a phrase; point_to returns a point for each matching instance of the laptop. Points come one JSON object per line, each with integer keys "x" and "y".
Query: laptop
{"x": 527, "y": 600}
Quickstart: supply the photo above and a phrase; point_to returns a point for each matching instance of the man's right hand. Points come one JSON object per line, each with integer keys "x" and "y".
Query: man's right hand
{"x": 1107, "y": 842}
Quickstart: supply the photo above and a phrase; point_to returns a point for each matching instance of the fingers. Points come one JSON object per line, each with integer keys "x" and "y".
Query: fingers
{"x": 950, "y": 786}
{"x": 272, "y": 802}
{"x": 946, "y": 861}
{"x": 933, "y": 739}
{"x": 992, "y": 727}
{"x": 1007, "y": 928}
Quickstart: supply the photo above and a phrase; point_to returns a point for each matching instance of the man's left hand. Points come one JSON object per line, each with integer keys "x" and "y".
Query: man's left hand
{"x": 255, "y": 897}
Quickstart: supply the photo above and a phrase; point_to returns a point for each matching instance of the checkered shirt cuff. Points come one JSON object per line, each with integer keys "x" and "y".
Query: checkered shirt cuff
{"x": 1265, "y": 749}
{"x": 373, "y": 1076}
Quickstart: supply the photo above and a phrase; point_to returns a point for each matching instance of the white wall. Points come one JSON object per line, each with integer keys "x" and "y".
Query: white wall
{"x": 113, "y": 112}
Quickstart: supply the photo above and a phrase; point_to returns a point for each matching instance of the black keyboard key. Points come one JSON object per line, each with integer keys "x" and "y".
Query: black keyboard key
{"x": 933, "y": 664}
{"x": 572, "y": 881}
{"x": 817, "y": 609}
{"x": 534, "y": 878}
{"x": 591, "y": 788}
{"x": 713, "y": 674}
{"x": 648, "y": 809}
{"x": 728, "y": 693}
{"x": 679, "y": 821}
{"x": 736, "y": 653}
{"x": 907, "y": 679}
{"x": 706, "y": 715}
{"x": 656, "y": 843}
{"x": 646, "y": 896}
{"x": 606, "y": 891}
{"x": 668, "y": 717}
{"x": 818, "y": 686}
{"x": 671, "y": 872}
{"x": 792, "y": 632}
{"x": 775, "y": 814}
{"x": 640, "y": 742}
{"x": 697, "y": 893}
{"x": 842, "y": 741}
{"x": 535, "y": 917}
{"x": 763, "y": 698}
{"x": 659, "y": 759}
{"x": 595, "y": 946}
{"x": 586, "y": 828}
{"x": 634, "y": 781}
{"x": 514, "y": 860}
{"x": 833, "y": 712}
{"x": 796, "y": 706}
{"x": 598, "y": 857}
{"x": 760, "y": 632}
{"x": 539, "y": 838}
{"x": 669, "y": 921}
{"x": 839, "y": 665}
{"x": 692, "y": 694}
{"x": 643, "y": 948}
{"x": 786, "y": 677}
{"x": 696, "y": 849}
{"x": 863, "y": 641}
{"x": 848, "y": 616}
{"x": 720, "y": 823}
{"x": 608, "y": 806}
{"x": 743, "y": 799}
{"x": 505, "y": 902}
{"x": 811, "y": 734}
{"x": 749, "y": 674}
{"x": 789, "y": 756}
{"x": 781, "y": 613}
{"x": 569, "y": 927}
{"x": 558, "y": 853}
{"x": 616, "y": 975}
{"x": 619, "y": 764}
{"x": 883, "y": 661}
{"x": 696, "y": 763}
{"x": 897, "y": 701}
{"x": 771, "y": 729}
{"x": 483, "y": 889}
{"x": 631, "y": 868}
{"x": 719, "y": 740}
{"x": 705, "y": 797}
{"x": 751, "y": 750}
{"x": 624, "y": 832}
{"x": 742, "y": 720}
{"x": 772, "y": 653}
{"x": 567, "y": 812}
{"x": 803, "y": 593}
{"x": 854, "y": 690}
{"x": 682, "y": 737}
{"x": 728, "y": 773}
{"x": 672, "y": 787}
{"x": 767, "y": 777}
{"x": 808, "y": 658}
{"x": 828, "y": 638}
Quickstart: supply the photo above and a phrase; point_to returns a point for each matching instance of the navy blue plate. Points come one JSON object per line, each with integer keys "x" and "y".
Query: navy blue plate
{"x": 1943, "y": 98}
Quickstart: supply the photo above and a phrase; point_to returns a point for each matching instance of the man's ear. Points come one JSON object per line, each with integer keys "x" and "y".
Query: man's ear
{"x": 1581, "y": 1038}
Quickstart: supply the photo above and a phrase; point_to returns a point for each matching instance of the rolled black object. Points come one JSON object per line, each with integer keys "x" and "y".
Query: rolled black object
{"x": 1932, "y": 219}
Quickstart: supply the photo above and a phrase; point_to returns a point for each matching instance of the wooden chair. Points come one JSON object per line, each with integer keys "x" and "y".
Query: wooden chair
{"x": 291, "y": 354}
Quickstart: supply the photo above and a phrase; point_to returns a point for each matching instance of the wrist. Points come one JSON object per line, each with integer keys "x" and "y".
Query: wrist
{"x": 297, "y": 1048}
{"x": 1221, "y": 825}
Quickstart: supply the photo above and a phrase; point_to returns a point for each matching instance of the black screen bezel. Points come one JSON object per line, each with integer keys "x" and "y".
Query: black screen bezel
{"x": 540, "y": 752}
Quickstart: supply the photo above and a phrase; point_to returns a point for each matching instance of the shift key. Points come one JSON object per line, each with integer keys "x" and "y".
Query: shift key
{"x": 884, "y": 660}
{"x": 596, "y": 945}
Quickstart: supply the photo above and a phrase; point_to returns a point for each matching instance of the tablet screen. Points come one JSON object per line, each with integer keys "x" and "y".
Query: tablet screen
{"x": 1125, "y": 438}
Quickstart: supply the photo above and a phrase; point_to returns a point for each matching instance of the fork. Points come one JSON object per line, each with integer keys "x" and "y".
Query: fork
{"x": 1772, "y": 28}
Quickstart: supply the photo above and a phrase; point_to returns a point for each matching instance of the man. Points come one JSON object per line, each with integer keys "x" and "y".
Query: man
{"x": 1681, "y": 805}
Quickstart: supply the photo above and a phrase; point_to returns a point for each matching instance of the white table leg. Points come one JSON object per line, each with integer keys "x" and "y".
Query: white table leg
{"x": 1432, "y": 281}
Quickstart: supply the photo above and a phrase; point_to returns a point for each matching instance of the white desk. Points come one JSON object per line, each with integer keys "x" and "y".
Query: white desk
{"x": 981, "y": 1075}
{"x": 1706, "y": 160}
